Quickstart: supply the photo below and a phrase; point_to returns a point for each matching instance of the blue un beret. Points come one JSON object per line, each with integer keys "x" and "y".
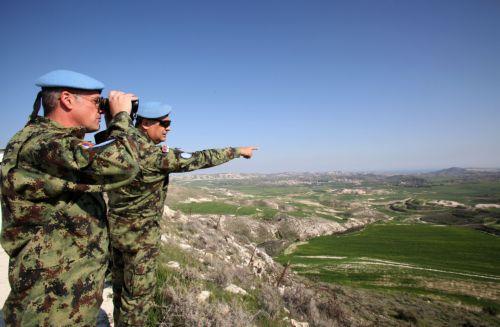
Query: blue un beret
{"x": 153, "y": 110}
{"x": 69, "y": 79}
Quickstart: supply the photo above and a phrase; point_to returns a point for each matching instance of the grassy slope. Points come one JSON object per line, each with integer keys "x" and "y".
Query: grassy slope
{"x": 427, "y": 246}
{"x": 220, "y": 208}
{"x": 447, "y": 248}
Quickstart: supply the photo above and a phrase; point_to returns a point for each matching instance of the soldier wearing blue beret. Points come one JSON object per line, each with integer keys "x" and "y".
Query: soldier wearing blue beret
{"x": 135, "y": 211}
{"x": 54, "y": 225}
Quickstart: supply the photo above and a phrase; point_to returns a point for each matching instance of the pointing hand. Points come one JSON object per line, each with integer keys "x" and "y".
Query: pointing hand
{"x": 247, "y": 151}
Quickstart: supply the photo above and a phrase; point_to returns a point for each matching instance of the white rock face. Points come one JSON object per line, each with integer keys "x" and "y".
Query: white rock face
{"x": 173, "y": 264}
{"x": 447, "y": 203}
{"x": 487, "y": 206}
{"x": 235, "y": 289}
{"x": 308, "y": 228}
{"x": 167, "y": 212}
{"x": 203, "y": 296}
{"x": 184, "y": 246}
{"x": 355, "y": 191}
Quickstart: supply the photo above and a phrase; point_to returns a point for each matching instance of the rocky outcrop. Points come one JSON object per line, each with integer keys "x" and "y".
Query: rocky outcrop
{"x": 272, "y": 237}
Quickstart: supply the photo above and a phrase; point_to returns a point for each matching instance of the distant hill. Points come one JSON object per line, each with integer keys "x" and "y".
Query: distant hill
{"x": 452, "y": 172}
{"x": 422, "y": 179}
{"x": 457, "y": 174}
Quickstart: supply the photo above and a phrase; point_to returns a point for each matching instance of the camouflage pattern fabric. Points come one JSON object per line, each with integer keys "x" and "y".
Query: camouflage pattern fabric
{"x": 134, "y": 215}
{"x": 54, "y": 224}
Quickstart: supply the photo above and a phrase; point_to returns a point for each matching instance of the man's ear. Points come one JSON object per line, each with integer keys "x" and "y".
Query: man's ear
{"x": 67, "y": 100}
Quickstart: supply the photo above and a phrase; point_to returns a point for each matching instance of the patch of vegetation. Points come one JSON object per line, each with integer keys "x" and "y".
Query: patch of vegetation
{"x": 331, "y": 217}
{"x": 398, "y": 215}
{"x": 447, "y": 248}
{"x": 221, "y": 208}
{"x": 274, "y": 190}
{"x": 178, "y": 289}
{"x": 479, "y": 219}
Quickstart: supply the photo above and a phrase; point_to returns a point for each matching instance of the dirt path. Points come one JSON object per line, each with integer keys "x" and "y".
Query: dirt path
{"x": 372, "y": 261}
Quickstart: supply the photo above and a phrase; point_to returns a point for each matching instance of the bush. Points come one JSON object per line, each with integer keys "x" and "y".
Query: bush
{"x": 270, "y": 300}
{"x": 183, "y": 309}
{"x": 405, "y": 316}
{"x": 491, "y": 310}
{"x": 318, "y": 308}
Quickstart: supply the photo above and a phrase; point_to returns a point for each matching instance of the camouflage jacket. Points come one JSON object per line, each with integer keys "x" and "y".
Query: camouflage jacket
{"x": 145, "y": 196}
{"x": 51, "y": 182}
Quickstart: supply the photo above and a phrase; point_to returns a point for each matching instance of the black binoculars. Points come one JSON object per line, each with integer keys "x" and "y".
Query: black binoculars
{"x": 104, "y": 106}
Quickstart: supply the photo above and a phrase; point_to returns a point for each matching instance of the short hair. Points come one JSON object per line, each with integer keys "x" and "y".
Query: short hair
{"x": 50, "y": 98}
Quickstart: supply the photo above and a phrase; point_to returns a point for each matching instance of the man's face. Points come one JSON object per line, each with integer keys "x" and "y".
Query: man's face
{"x": 157, "y": 131}
{"x": 86, "y": 111}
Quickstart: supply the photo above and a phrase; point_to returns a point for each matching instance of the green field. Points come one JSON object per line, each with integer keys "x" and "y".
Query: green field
{"x": 221, "y": 208}
{"x": 404, "y": 257}
{"x": 447, "y": 248}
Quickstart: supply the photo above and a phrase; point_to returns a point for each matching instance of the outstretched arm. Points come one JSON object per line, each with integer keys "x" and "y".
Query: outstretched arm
{"x": 175, "y": 161}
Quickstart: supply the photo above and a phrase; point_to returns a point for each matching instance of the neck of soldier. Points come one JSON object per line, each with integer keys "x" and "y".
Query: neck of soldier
{"x": 63, "y": 118}
{"x": 144, "y": 130}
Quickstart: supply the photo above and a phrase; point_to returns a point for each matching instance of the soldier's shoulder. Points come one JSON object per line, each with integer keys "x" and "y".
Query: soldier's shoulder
{"x": 52, "y": 145}
{"x": 138, "y": 137}
{"x": 42, "y": 137}
{"x": 28, "y": 136}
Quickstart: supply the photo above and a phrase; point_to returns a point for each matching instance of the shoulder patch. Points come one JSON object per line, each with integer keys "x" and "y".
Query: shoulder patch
{"x": 165, "y": 148}
{"x": 87, "y": 144}
{"x": 186, "y": 155}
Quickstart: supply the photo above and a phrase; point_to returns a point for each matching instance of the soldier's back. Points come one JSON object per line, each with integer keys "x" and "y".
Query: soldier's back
{"x": 54, "y": 227}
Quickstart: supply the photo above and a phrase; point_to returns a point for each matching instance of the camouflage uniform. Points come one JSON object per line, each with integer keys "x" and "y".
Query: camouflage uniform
{"x": 54, "y": 220}
{"x": 134, "y": 215}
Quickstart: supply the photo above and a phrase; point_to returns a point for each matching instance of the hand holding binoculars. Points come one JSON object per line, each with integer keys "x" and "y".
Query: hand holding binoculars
{"x": 104, "y": 106}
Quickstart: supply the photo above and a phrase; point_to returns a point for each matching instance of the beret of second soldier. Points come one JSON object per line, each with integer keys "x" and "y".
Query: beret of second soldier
{"x": 153, "y": 110}
{"x": 69, "y": 79}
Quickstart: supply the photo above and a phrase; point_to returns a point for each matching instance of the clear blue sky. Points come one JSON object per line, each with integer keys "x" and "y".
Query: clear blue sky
{"x": 318, "y": 85}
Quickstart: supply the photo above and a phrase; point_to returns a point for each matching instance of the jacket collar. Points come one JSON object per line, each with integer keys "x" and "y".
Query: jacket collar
{"x": 45, "y": 122}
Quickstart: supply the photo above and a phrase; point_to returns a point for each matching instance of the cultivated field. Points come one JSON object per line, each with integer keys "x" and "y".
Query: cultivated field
{"x": 456, "y": 263}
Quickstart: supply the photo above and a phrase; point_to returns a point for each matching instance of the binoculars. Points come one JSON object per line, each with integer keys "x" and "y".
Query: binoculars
{"x": 104, "y": 106}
